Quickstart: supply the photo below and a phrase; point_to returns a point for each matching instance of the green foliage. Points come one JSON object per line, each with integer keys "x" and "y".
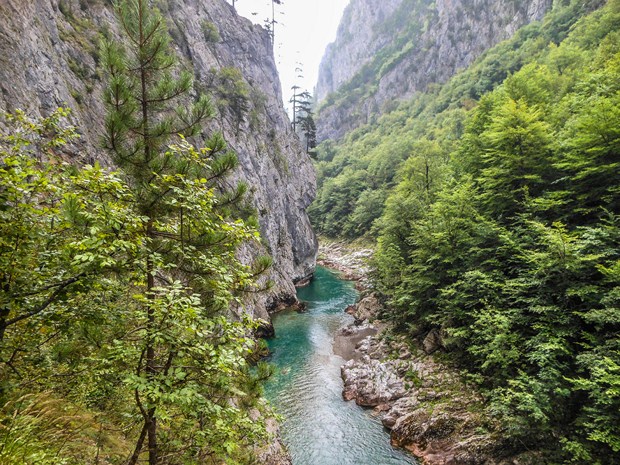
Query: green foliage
{"x": 303, "y": 117}
{"x": 56, "y": 242}
{"x": 438, "y": 113}
{"x": 65, "y": 234}
{"x": 43, "y": 430}
{"x": 233, "y": 93}
{"x": 498, "y": 222}
{"x": 73, "y": 296}
{"x": 210, "y": 32}
{"x": 120, "y": 292}
{"x": 185, "y": 361}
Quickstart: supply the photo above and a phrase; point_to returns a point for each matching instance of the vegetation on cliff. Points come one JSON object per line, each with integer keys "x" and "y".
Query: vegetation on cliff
{"x": 495, "y": 203}
{"x": 356, "y": 175}
{"x": 118, "y": 339}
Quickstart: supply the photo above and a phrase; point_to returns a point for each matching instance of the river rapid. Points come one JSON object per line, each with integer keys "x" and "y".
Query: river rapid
{"x": 319, "y": 427}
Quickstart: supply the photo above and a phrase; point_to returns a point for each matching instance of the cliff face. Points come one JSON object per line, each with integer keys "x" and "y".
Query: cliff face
{"x": 402, "y": 46}
{"x": 49, "y": 58}
{"x": 359, "y": 38}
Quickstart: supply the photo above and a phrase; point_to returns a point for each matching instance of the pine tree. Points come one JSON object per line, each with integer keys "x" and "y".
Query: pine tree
{"x": 295, "y": 102}
{"x": 303, "y": 117}
{"x": 308, "y": 128}
{"x": 188, "y": 262}
{"x": 273, "y": 22}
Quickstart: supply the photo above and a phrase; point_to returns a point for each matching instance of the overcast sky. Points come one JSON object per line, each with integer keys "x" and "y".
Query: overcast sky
{"x": 304, "y": 29}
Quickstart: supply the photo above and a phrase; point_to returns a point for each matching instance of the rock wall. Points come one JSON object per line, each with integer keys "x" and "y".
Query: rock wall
{"x": 386, "y": 51}
{"x": 49, "y": 57}
{"x": 358, "y": 39}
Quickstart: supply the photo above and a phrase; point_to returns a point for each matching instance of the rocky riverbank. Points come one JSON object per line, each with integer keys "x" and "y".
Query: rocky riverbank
{"x": 351, "y": 262}
{"x": 274, "y": 453}
{"x": 428, "y": 408}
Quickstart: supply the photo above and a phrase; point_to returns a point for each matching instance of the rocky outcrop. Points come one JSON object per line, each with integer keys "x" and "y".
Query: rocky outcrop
{"x": 274, "y": 453}
{"x": 386, "y": 51}
{"x": 371, "y": 381}
{"x": 347, "y": 339}
{"x": 367, "y": 309}
{"x": 353, "y": 263}
{"x": 49, "y": 57}
{"x": 359, "y": 38}
{"x": 428, "y": 409}
{"x": 433, "y": 341}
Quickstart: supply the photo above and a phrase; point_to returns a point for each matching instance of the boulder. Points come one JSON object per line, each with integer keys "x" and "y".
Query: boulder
{"x": 433, "y": 341}
{"x": 367, "y": 309}
{"x": 371, "y": 382}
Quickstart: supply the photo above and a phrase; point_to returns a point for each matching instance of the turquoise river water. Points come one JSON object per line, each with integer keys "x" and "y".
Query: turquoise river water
{"x": 319, "y": 427}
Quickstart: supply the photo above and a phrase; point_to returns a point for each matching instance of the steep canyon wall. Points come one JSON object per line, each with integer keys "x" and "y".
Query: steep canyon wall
{"x": 49, "y": 57}
{"x": 387, "y": 50}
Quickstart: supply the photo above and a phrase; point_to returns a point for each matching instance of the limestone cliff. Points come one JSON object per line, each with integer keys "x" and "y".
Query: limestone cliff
{"x": 49, "y": 57}
{"x": 354, "y": 45}
{"x": 388, "y": 50}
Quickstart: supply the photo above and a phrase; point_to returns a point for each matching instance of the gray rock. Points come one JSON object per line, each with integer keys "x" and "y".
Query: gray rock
{"x": 274, "y": 453}
{"x": 432, "y": 342}
{"x": 48, "y": 58}
{"x": 450, "y": 35}
{"x": 367, "y": 309}
{"x": 399, "y": 409}
{"x": 369, "y": 380}
{"x": 357, "y": 41}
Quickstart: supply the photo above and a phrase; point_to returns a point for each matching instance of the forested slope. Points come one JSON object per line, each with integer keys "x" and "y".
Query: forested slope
{"x": 384, "y": 54}
{"x": 50, "y": 57}
{"x": 497, "y": 219}
{"x": 356, "y": 174}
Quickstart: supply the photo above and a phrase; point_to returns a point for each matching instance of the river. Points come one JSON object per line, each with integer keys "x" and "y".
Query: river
{"x": 319, "y": 427}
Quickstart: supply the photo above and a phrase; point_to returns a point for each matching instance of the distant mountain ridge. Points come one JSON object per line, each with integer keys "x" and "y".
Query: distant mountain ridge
{"x": 386, "y": 51}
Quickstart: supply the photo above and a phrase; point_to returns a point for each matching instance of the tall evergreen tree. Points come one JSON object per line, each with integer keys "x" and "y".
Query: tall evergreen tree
{"x": 308, "y": 128}
{"x": 303, "y": 117}
{"x": 272, "y": 29}
{"x": 188, "y": 264}
{"x": 295, "y": 102}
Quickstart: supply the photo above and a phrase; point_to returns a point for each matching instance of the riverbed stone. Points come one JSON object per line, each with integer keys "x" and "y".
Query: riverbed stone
{"x": 433, "y": 341}
{"x": 371, "y": 382}
{"x": 349, "y": 338}
{"x": 427, "y": 406}
{"x": 398, "y": 410}
{"x": 353, "y": 264}
{"x": 367, "y": 309}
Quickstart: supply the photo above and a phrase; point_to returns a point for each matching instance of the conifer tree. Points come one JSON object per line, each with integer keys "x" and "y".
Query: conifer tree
{"x": 308, "y": 128}
{"x": 188, "y": 264}
{"x": 295, "y": 102}
{"x": 272, "y": 29}
{"x": 303, "y": 117}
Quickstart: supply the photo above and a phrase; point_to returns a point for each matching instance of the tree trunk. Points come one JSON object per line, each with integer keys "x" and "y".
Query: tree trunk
{"x": 136, "y": 453}
{"x": 151, "y": 369}
{"x": 152, "y": 431}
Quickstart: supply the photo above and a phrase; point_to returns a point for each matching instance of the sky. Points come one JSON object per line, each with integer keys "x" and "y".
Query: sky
{"x": 304, "y": 29}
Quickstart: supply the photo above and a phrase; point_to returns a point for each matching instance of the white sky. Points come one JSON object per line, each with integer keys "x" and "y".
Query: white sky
{"x": 304, "y": 29}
